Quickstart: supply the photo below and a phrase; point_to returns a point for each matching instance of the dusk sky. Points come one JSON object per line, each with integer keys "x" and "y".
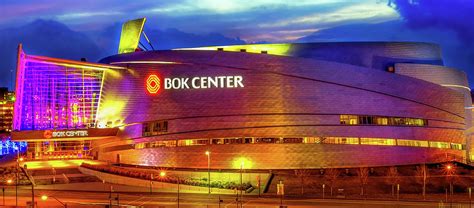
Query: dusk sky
{"x": 445, "y": 22}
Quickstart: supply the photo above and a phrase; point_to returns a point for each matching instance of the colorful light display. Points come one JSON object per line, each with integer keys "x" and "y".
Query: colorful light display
{"x": 9, "y": 147}
{"x": 55, "y": 94}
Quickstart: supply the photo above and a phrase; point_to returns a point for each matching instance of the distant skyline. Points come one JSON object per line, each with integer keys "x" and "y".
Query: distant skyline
{"x": 77, "y": 28}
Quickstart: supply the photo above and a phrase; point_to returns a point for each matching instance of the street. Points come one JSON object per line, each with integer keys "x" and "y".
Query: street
{"x": 101, "y": 199}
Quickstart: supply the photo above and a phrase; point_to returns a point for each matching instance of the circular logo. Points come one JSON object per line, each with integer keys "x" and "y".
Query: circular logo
{"x": 47, "y": 134}
{"x": 153, "y": 84}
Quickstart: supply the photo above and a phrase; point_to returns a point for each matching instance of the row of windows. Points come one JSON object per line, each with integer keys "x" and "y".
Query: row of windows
{"x": 382, "y": 120}
{"x": 308, "y": 140}
{"x": 160, "y": 127}
{"x": 155, "y": 128}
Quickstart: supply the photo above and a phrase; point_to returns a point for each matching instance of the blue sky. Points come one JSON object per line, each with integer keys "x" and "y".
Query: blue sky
{"x": 90, "y": 28}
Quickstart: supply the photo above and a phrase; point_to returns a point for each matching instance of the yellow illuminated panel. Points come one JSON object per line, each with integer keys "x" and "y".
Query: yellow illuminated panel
{"x": 456, "y": 146}
{"x": 130, "y": 35}
{"x": 441, "y": 145}
{"x": 281, "y": 49}
{"x": 412, "y": 143}
{"x": 377, "y": 141}
{"x": 341, "y": 140}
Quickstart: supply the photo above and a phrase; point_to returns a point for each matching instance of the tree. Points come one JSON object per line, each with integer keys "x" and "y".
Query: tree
{"x": 421, "y": 175}
{"x": 331, "y": 176}
{"x": 302, "y": 174}
{"x": 363, "y": 173}
{"x": 393, "y": 178}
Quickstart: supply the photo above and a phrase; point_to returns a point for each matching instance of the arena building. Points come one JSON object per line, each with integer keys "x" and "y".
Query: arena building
{"x": 270, "y": 106}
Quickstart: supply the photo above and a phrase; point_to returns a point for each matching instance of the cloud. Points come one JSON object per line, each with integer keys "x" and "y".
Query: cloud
{"x": 229, "y": 6}
{"x": 78, "y": 15}
{"x": 444, "y": 15}
{"x": 455, "y": 15}
{"x": 369, "y": 12}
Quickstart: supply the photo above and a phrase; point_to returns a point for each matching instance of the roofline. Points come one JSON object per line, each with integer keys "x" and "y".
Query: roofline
{"x": 66, "y": 62}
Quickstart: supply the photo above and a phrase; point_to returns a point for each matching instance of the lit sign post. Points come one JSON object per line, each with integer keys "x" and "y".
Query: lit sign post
{"x": 153, "y": 83}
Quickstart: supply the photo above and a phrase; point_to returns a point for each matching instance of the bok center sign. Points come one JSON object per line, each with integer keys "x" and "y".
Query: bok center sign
{"x": 154, "y": 83}
{"x": 62, "y": 134}
{"x": 204, "y": 82}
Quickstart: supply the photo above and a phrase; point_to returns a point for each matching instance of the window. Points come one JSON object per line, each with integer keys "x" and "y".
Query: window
{"x": 340, "y": 140}
{"x": 377, "y": 141}
{"x": 381, "y": 120}
{"x": 140, "y": 146}
{"x": 266, "y": 140}
{"x": 457, "y": 146}
{"x": 412, "y": 143}
{"x": 349, "y": 119}
{"x": 292, "y": 140}
{"x": 443, "y": 145}
{"x": 312, "y": 140}
{"x": 155, "y": 128}
{"x": 233, "y": 141}
{"x": 248, "y": 140}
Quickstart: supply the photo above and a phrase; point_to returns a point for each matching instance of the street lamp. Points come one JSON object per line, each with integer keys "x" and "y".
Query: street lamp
{"x": 9, "y": 182}
{"x": 151, "y": 183}
{"x": 208, "y": 171}
{"x": 162, "y": 175}
{"x": 17, "y": 174}
{"x": 241, "y": 186}
{"x": 449, "y": 170}
{"x": 45, "y": 197}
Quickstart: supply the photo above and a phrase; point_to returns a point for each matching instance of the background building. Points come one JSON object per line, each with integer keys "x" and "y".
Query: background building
{"x": 7, "y": 100}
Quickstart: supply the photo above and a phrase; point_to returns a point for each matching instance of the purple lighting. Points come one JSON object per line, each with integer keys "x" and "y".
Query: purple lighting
{"x": 55, "y": 95}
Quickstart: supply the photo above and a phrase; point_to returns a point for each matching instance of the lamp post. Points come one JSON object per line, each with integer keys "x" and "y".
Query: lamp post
{"x": 151, "y": 183}
{"x": 45, "y": 197}
{"x": 162, "y": 176}
{"x": 241, "y": 185}
{"x": 178, "y": 190}
{"x": 9, "y": 182}
{"x": 449, "y": 170}
{"x": 110, "y": 195}
{"x": 17, "y": 174}
{"x": 324, "y": 188}
{"x": 208, "y": 153}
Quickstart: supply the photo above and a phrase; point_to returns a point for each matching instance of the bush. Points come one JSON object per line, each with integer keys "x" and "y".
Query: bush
{"x": 143, "y": 174}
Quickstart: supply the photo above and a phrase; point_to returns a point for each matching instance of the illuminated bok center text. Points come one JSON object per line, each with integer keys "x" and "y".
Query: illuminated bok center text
{"x": 204, "y": 82}
{"x": 54, "y": 134}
